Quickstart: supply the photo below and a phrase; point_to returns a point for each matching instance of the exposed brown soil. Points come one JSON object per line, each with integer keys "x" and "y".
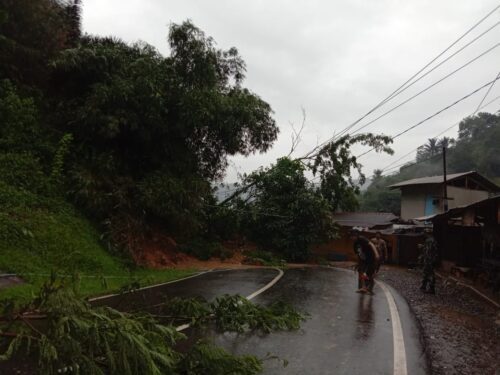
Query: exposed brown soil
{"x": 8, "y": 281}
{"x": 161, "y": 251}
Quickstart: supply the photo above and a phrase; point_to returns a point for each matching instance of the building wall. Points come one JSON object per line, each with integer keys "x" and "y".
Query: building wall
{"x": 413, "y": 198}
{"x": 343, "y": 246}
{"x": 464, "y": 197}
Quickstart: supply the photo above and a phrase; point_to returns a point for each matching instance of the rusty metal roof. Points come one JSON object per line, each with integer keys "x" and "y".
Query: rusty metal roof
{"x": 363, "y": 219}
{"x": 449, "y": 177}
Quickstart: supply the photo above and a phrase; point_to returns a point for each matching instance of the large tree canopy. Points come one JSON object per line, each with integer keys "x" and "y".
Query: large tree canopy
{"x": 285, "y": 212}
{"x": 139, "y": 136}
{"x": 186, "y": 112}
{"x": 31, "y": 33}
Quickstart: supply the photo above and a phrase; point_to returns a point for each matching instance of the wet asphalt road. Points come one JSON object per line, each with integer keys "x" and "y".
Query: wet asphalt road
{"x": 207, "y": 285}
{"x": 346, "y": 332}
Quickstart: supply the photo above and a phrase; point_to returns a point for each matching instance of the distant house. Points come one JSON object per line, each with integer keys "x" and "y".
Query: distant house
{"x": 423, "y": 197}
{"x": 341, "y": 248}
{"x": 469, "y": 236}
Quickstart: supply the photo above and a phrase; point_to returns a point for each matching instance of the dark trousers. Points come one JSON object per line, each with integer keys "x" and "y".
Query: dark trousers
{"x": 429, "y": 279}
{"x": 369, "y": 269}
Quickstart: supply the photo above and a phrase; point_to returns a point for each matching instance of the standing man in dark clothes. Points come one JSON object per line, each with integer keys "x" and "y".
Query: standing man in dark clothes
{"x": 368, "y": 261}
{"x": 381, "y": 246}
{"x": 428, "y": 259}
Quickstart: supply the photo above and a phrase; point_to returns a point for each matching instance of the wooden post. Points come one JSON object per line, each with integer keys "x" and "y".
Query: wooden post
{"x": 445, "y": 196}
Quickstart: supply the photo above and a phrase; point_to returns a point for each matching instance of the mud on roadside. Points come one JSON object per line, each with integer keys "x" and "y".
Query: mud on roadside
{"x": 460, "y": 332}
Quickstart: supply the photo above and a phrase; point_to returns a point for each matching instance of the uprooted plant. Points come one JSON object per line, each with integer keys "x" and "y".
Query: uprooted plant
{"x": 61, "y": 332}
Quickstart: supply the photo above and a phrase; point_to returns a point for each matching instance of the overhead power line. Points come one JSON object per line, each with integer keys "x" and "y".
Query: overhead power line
{"x": 486, "y": 95}
{"x": 441, "y": 133}
{"x": 434, "y": 114}
{"x": 428, "y": 87}
{"x": 479, "y": 107}
{"x": 406, "y": 165}
{"x": 429, "y": 72}
{"x": 397, "y": 91}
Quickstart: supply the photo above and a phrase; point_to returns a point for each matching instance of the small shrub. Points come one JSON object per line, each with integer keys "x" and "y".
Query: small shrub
{"x": 265, "y": 258}
{"x": 23, "y": 171}
{"x": 203, "y": 249}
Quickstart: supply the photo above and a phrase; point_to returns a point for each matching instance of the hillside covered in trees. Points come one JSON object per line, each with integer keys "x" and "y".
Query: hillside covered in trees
{"x": 104, "y": 144}
{"x": 476, "y": 148}
{"x": 110, "y": 149}
{"x": 130, "y": 143}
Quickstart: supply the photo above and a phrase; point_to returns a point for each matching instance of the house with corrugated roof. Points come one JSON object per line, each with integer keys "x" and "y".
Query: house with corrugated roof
{"x": 469, "y": 238}
{"x": 341, "y": 248}
{"x": 422, "y": 197}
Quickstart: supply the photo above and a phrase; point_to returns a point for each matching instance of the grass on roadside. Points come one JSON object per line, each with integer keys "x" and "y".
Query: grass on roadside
{"x": 44, "y": 234}
{"x": 93, "y": 285}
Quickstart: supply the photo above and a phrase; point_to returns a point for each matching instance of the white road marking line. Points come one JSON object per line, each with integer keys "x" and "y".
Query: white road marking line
{"x": 249, "y": 297}
{"x": 148, "y": 287}
{"x": 400, "y": 367}
{"x": 269, "y": 285}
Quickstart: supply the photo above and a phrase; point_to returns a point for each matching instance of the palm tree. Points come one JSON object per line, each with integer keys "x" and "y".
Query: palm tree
{"x": 446, "y": 142}
{"x": 431, "y": 148}
{"x": 428, "y": 150}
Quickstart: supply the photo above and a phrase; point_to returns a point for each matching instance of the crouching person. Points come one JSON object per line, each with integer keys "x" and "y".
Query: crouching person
{"x": 368, "y": 262}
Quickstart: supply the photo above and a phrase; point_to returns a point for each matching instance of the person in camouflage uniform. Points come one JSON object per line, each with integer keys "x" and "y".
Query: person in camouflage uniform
{"x": 428, "y": 259}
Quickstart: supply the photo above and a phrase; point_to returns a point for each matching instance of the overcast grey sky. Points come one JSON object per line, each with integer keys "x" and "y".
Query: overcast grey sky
{"x": 335, "y": 59}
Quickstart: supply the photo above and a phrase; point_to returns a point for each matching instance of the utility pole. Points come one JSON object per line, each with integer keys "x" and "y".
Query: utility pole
{"x": 445, "y": 197}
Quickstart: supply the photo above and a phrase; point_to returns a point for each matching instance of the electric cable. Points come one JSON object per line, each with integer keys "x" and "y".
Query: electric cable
{"x": 395, "y": 92}
{"x": 434, "y": 114}
{"x": 427, "y": 88}
{"x": 444, "y": 131}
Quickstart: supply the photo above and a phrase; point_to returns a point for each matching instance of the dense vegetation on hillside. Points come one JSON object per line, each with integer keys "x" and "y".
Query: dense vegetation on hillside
{"x": 475, "y": 149}
{"x": 134, "y": 141}
{"x": 103, "y": 146}
{"x": 130, "y": 138}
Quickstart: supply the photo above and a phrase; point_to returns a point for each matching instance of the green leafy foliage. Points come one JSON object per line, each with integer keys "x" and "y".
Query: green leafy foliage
{"x": 31, "y": 33}
{"x": 20, "y": 131}
{"x": 82, "y": 339}
{"x": 266, "y": 258}
{"x": 284, "y": 212}
{"x": 92, "y": 340}
{"x": 202, "y": 249}
{"x": 208, "y": 359}
{"x": 186, "y": 111}
{"x": 56, "y": 174}
{"x": 237, "y": 314}
{"x": 132, "y": 137}
{"x": 152, "y": 132}
{"x": 379, "y": 198}
{"x": 179, "y": 202}
{"x": 334, "y": 164}
{"x": 233, "y": 313}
